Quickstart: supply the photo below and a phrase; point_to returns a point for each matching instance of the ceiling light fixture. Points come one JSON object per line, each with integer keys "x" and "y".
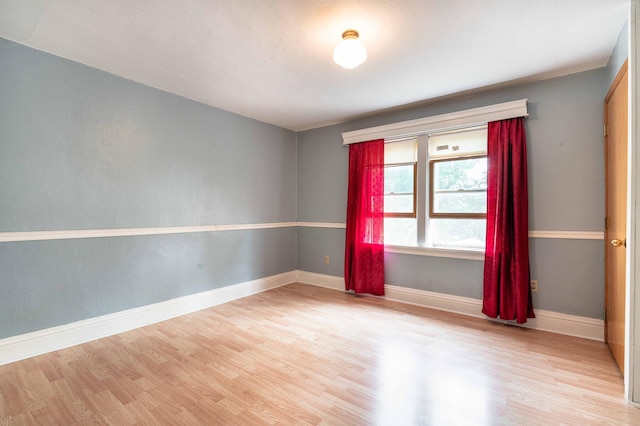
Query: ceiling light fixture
{"x": 350, "y": 52}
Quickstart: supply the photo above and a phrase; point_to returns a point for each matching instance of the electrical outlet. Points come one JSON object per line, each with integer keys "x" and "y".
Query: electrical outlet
{"x": 534, "y": 285}
{"x": 326, "y": 260}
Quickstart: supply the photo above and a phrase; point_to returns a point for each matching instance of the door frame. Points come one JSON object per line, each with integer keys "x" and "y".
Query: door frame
{"x": 632, "y": 353}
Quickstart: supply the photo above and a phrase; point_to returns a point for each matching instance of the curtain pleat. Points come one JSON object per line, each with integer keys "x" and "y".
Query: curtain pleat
{"x": 507, "y": 291}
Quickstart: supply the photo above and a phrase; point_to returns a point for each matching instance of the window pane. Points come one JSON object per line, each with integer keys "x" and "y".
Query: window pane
{"x": 400, "y": 231}
{"x": 460, "y": 202}
{"x": 460, "y": 185}
{"x": 465, "y": 174}
{"x": 398, "y": 179}
{"x": 398, "y": 203}
{"x": 457, "y": 233}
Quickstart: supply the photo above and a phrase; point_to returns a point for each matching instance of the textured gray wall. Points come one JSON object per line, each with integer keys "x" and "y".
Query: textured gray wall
{"x": 318, "y": 243}
{"x": 83, "y": 149}
{"x": 96, "y": 151}
{"x": 323, "y": 166}
{"x": 619, "y": 55}
{"x": 49, "y": 283}
{"x": 566, "y": 190}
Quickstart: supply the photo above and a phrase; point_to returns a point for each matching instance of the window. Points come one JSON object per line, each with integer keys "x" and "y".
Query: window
{"x": 400, "y": 178}
{"x": 436, "y": 190}
{"x": 447, "y": 224}
{"x": 458, "y": 187}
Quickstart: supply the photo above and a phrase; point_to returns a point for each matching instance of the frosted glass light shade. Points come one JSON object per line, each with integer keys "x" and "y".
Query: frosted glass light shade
{"x": 350, "y": 52}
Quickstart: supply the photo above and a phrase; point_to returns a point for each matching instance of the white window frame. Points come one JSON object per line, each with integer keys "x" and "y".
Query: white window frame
{"x": 420, "y": 128}
{"x": 413, "y": 213}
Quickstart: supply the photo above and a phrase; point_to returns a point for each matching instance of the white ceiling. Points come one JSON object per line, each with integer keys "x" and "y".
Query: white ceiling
{"x": 272, "y": 59}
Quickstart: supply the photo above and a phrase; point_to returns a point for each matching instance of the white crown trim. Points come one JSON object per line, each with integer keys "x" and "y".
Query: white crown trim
{"x": 442, "y": 122}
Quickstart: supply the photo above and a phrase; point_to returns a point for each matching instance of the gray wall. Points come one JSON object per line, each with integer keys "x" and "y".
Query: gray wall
{"x": 83, "y": 149}
{"x": 619, "y": 55}
{"x": 566, "y": 190}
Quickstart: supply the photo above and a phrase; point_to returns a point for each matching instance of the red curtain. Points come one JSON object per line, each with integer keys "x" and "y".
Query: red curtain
{"x": 507, "y": 291}
{"x": 364, "y": 249}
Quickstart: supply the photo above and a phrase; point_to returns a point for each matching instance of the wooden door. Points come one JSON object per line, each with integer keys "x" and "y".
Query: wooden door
{"x": 616, "y": 113}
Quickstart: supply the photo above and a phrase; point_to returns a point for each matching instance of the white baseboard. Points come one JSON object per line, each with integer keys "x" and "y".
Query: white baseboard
{"x": 555, "y": 322}
{"x": 51, "y": 339}
{"x": 570, "y": 325}
{"x": 443, "y": 302}
{"x": 321, "y": 280}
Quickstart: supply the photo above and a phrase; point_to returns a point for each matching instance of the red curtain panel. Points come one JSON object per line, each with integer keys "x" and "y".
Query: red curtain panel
{"x": 507, "y": 291}
{"x": 364, "y": 249}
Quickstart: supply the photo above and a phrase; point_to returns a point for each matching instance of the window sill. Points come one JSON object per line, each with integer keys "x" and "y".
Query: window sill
{"x": 468, "y": 254}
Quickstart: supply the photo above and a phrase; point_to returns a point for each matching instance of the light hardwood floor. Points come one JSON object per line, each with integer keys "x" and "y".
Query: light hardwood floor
{"x": 306, "y": 355}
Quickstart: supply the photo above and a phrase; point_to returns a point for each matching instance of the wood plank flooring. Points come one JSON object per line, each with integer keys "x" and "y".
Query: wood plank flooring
{"x": 306, "y": 355}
